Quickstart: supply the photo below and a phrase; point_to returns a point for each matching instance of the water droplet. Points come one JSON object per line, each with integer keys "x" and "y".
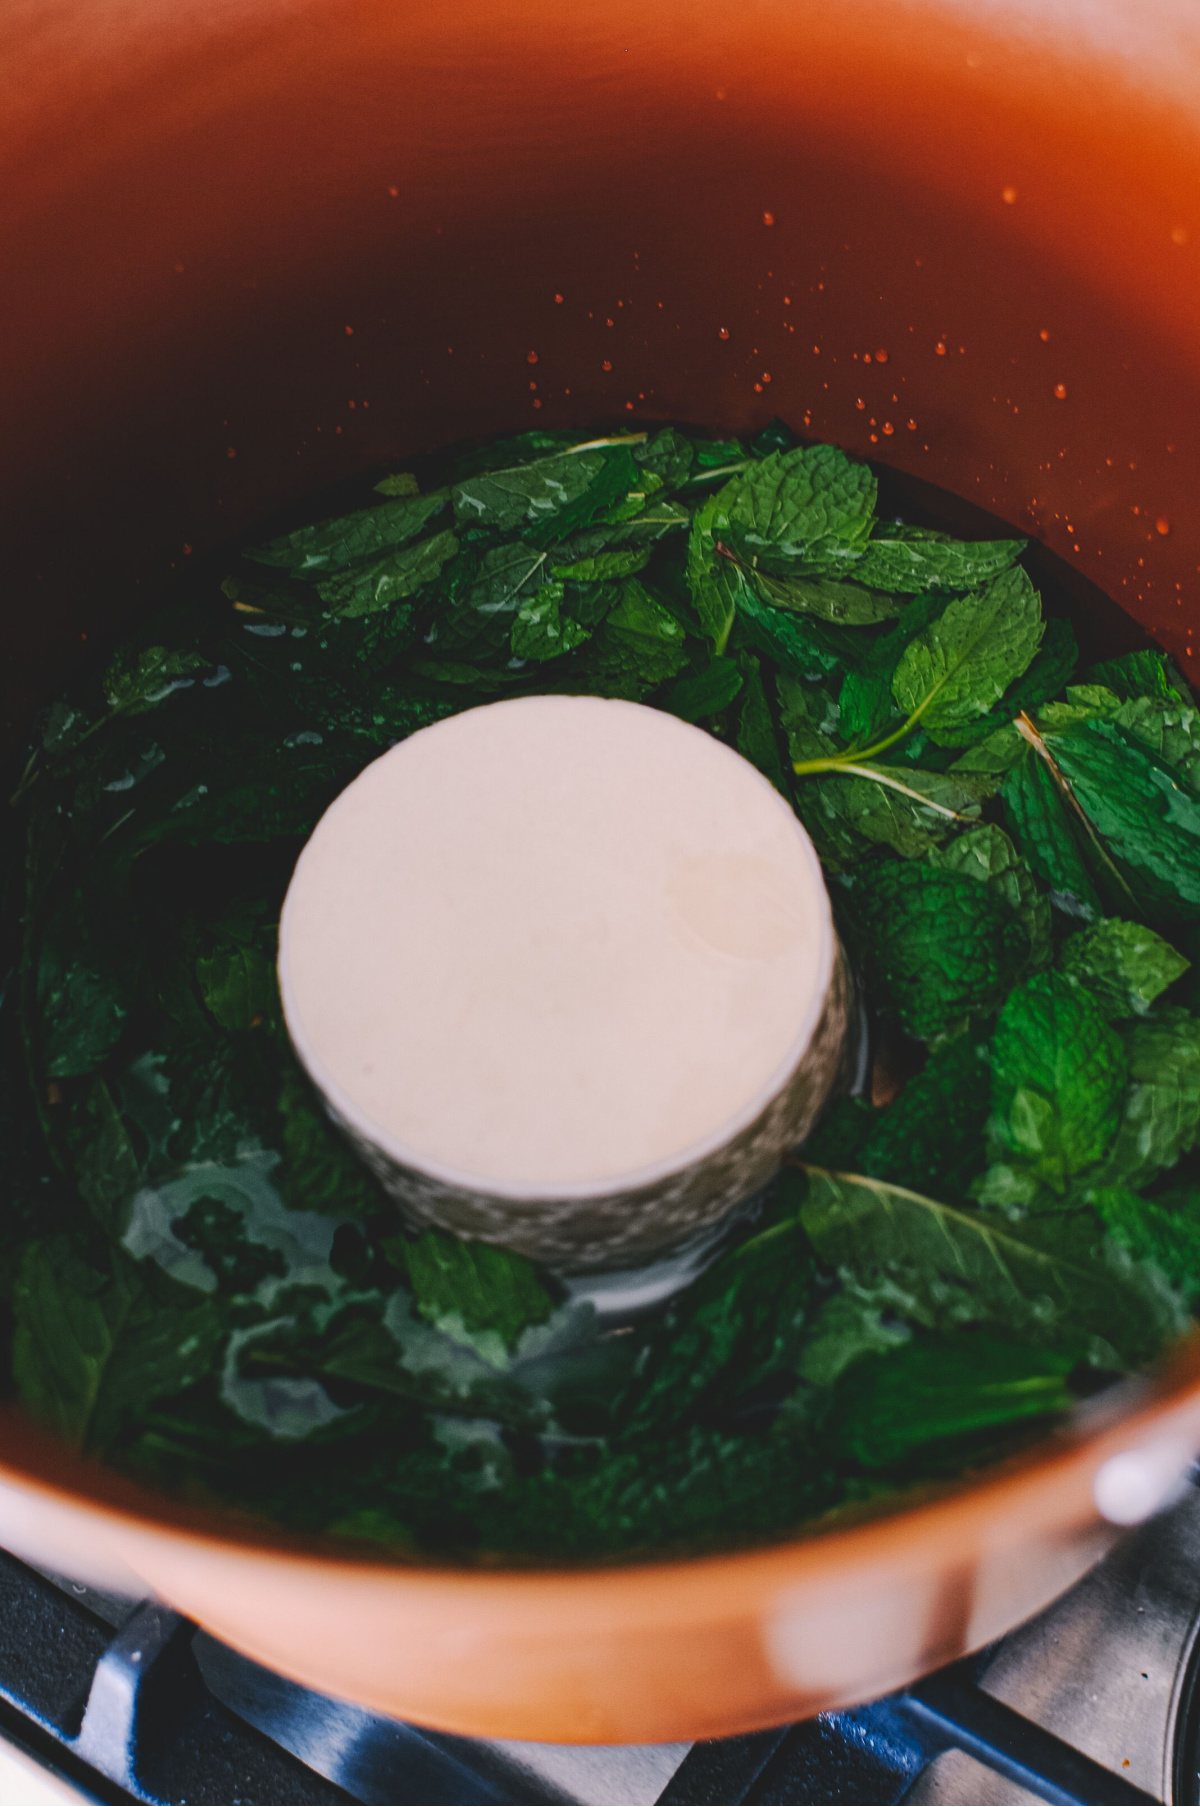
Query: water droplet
{"x": 787, "y": 301}
{"x": 230, "y": 452}
{"x": 874, "y": 438}
{"x": 940, "y": 348}
{"x": 536, "y": 402}
{"x": 766, "y": 376}
{"x": 758, "y": 389}
{"x": 1162, "y": 525}
{"x": 349, "y": 332}
{"x": 606, "y": 365}
{"x": 912, "y": 426}
{"x": 860, "y": 403}
{"x": 533, "y": 386}
{"x": 608, "y": 321}
{"x": 1060, "y": 392}
{"x": 393, "y": 191}
{"x": 768, "y": 219}
{"x": 629, "y": 407}
{"x": 888, "y": 427}
{"x": 722, "y": 332}
{"x": 1179, "y": 235}
{"x": 531, "y": 357}
{"x": 866, "y": 357}
{"x": 1044, "y": 335}
{"x": 558, "y": 300}
{"x": 720, "y": 93}
{"x": 1008, "y": 195}
{"x": 881, "y": 357}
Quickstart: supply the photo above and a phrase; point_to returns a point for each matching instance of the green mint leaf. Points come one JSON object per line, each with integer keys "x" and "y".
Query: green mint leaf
{"x": 103, "y": 1162}
{"x": 844, "y": 1329}
{"x": 1160, "y": 1117}
{"x": 756, "y": 737}
{"x": 668, "y": 455}
{"x": 79, "y": 996}
{"x": 1146, "y": 812}
{"x": 827, "y": 599}
{"x": 551, "y": 496}
{"x": 136, "y": 682}
{"x": 941, "y": 1269}
{"x": 400, "y": 483}
{"x": 1084, "y": 703}
{"x": 93, "y": 1343}
{"x": 365, "y": 589}
{"x": 900, "y": 807}
{"x": 715, "y": 583}
{"x": 332, "y": 545}
{"x": 935, "y": 1392}
{"x": 805, "y": 511}
{"x": 603, "y": 567}
{"x": 706, "y": 692}
{"x": 541, "y": 631}
{"x": 931, "y": 1138}
{"x": 915, "y": 559}
{"x": 1169, "y": 728}
{"x": 478, "y": 618}
{"x": 1043, "y": 830}
{"x": 866, "y": 698}
{"x": 1168, "y": 1234}
{"x": 1142, "y": 673}
{"x": 472, "y": 1287}
{"x": 639, "y": 646}
{"x": 1058, "y": 1077}
{"x": 735, "y": 1328}
{"x": 502, "y": 454}
{"x": 1055, "y": 661}
{"x": 237, "y": 983}
{"x": 986, "y": 853}
{"x": 1123, "y": 966}
{"x": 993, "y": 757}
{"x": 959, "y": 667}
{"x": 936, "y": 947}
{"x": 798, "y": 644}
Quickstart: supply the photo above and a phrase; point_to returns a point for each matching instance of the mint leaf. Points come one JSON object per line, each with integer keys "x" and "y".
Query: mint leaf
{"x": 1058, "y": 1077}
{"x": 136, "y": 681}
{"x": 797, "y": 644}
{"x": 959, "y": 667}
{"x": 237, "y": 983}
{"x": 706, "y": 692}
{"x": 866, "y": 699}
{"x": 1046, "y": 836}
{"x": 472, "y": 1288}
{"x": 603, "y": 567}
{"x": 639, "y": 646}
{"x": 916, "y": 559}
{"x": 931, "y": 1138}
{"x": 1146, "y": 812}
{"x": 936, "y": 947}
{"x": 365, "y": 589}
{"x": 1169, "y": 728}
{"x": 1056, "y": 660}
{"x": 986, "y": 853}
{"x": 1142, "y": 673}
{"x": 932, "y": 1392}
{"x": 1123, "y": 966}
{"x": 756, "y": 739}
{"x": 1160, "y": 1116}
{"x": 80, "y": 999}
{"x": 715, "y": 583}
{"x": 1166, "y": 1233}
{"x": 400, "y": 483}
{"x": 943, "y": 1269}
{"x": 477, "y": 621}
{"x": 668, "y": 455}
{"x": 804, "y": 511}
{"x": 94, "y": 1342}
{"x": 540, "y": 630}
{"x": 847, "y": 603}
{"x": 902, "y": 807}
{"x": 555, "y": 494}
{"x": 332, "y": 545}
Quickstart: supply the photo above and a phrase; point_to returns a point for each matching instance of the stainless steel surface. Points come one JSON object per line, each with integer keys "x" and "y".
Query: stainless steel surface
{"x": 1103, "y": 1667}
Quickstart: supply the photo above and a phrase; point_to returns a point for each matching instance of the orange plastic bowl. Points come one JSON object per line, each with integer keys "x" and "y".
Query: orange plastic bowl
{"x": 250, "y": 250}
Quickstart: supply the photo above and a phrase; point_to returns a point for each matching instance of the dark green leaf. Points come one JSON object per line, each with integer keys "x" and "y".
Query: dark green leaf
{"x": 137, "y": 681}
{"x": 705, "y": 692}
{"x": 1044, "y": 832}
{"x": 668, "y": 454}
{"x": 959, "y": 666}
{"x": 915, "y": 559}
{"x": 540, "y": 630}
{"x": 1143, "y": 673}
{"x": 472, "y": 1289}
{"x": 353, "y": 538}
{"x": 847, "y": 603}
{"x": 937, "y": 947}
{"x": 987, "y": 854}
{"x": 1058, "y": 1077}
{"x": 478, "y": 619}
{"x": 756, "y": 737}
{"x": 638, "y": 647}
{"x": 805, "y": 511}
{"x": 1123, "y": 966}
{"x": 930, "y": 1139}
{"x": 1154, "y": 1230}
{"x": 364, "y": 589}
{"x": 555, "y": 494}
{"x": 1160, "y": 1116}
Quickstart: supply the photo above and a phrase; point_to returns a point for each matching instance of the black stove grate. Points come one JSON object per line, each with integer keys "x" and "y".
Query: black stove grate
{"x": 130, "y": 1703}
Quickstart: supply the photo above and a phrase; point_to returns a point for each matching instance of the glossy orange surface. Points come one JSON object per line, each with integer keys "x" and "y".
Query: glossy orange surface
{"x": 251, "y": 249}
